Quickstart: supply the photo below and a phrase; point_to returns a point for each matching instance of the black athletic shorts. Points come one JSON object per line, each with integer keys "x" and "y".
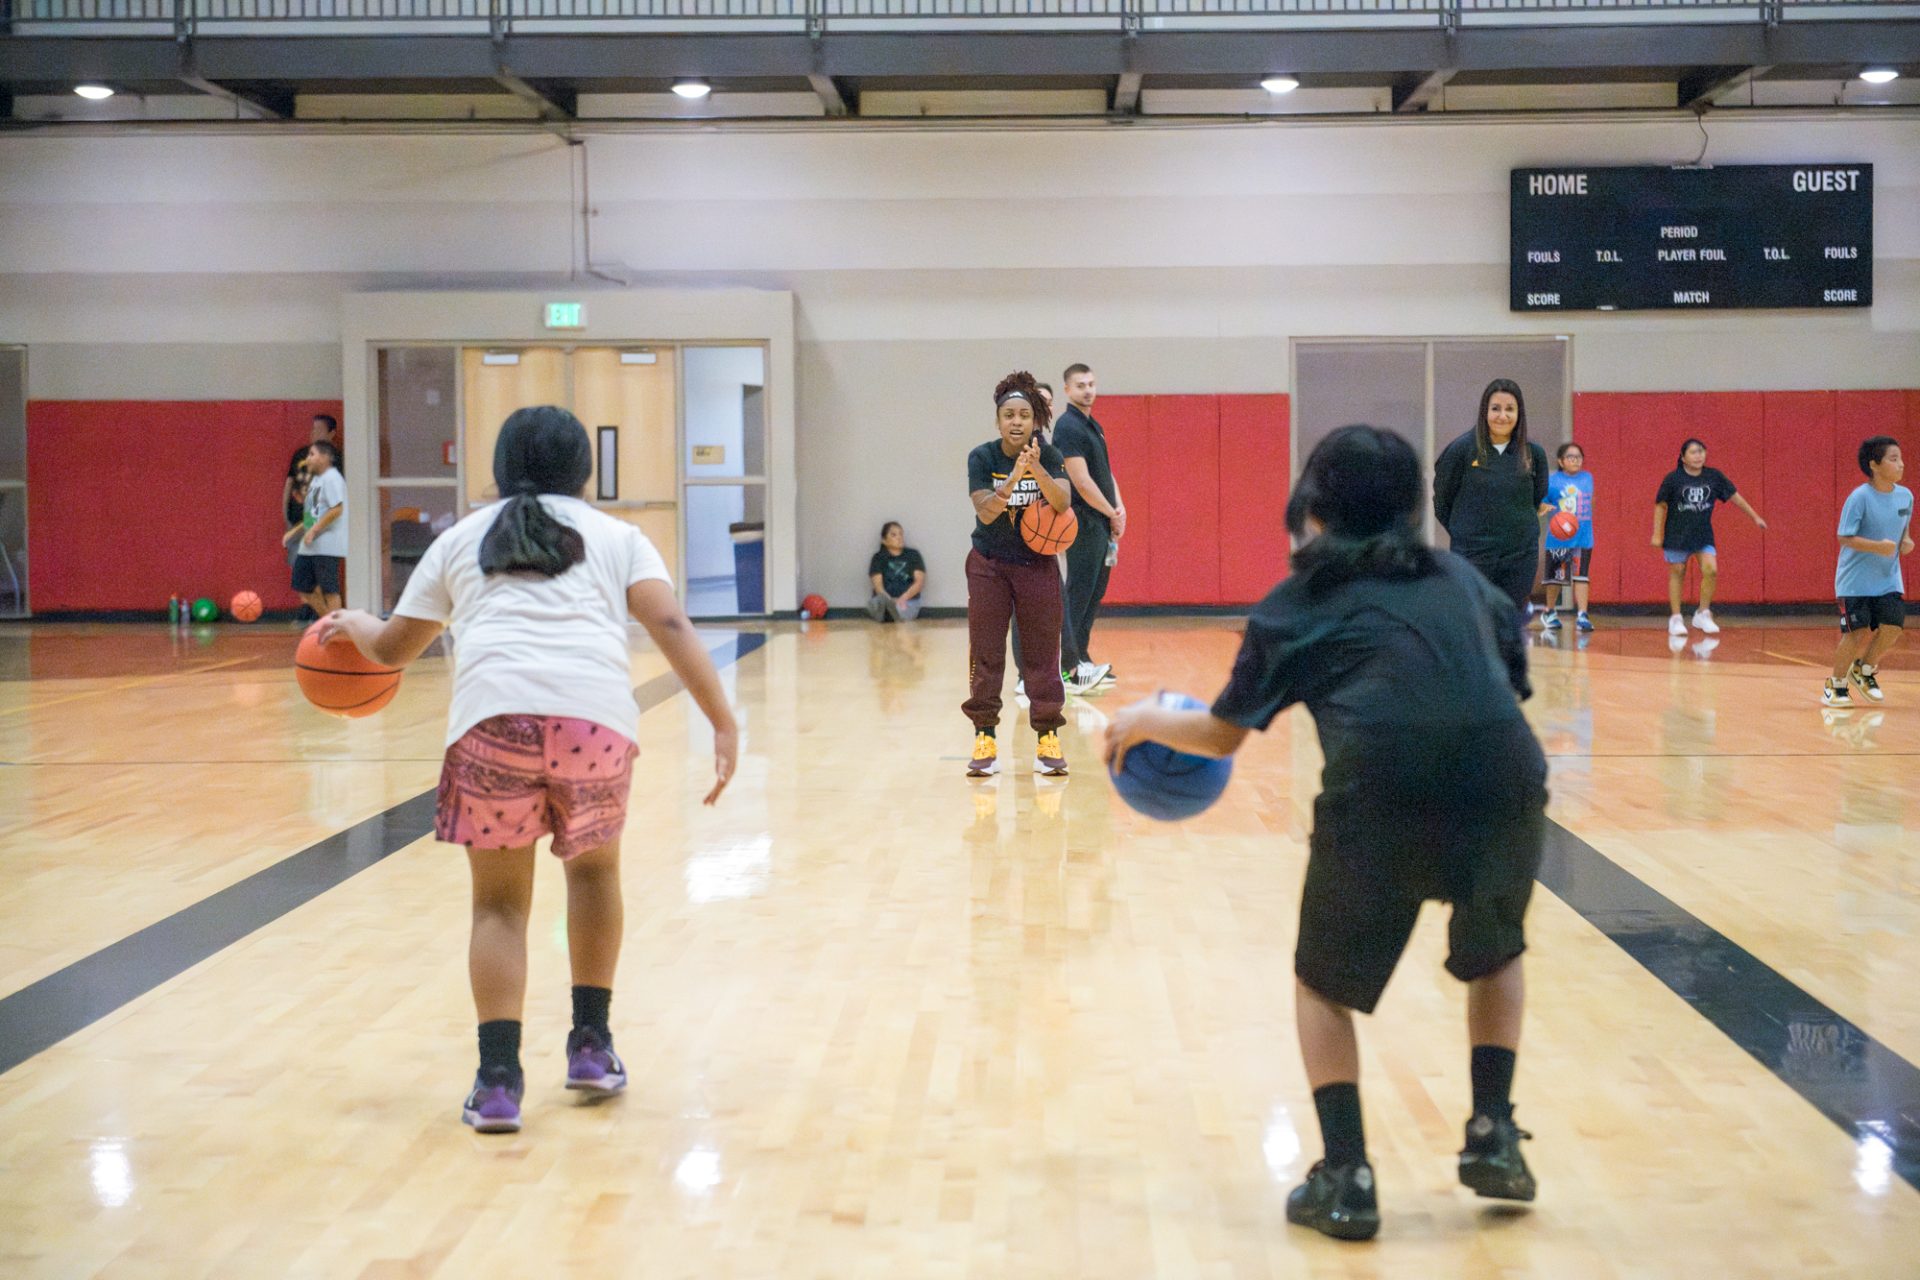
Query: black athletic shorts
{"x": 1378, "y": 854}
{"x": 1569, "y": 565}
{"x": 317, "y": 573}
{"x": 1870, "y": 613}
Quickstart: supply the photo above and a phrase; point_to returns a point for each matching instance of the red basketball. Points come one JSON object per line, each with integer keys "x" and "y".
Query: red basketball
{"x": 1564, "y": 525}
{"x": 339, "y": 679}
{"x": 1048, "y": 531}
{"x": 814, "y": 606}
{"x": 245, "y": 607}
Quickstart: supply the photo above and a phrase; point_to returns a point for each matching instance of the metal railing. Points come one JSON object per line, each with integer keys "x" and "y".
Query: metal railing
{"x": 27, "y": 15}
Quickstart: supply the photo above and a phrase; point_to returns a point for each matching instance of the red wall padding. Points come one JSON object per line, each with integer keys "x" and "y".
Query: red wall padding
{"x": 1205, "y": 480}
{"x": 1255, "y": 481}
{"x": 131, "y": 501}
{"x": 1183, "y": 538}
{"x": 1791, "y": 453}
{"x": 1130, "y": 451}
{"x": 1802, "y": 509}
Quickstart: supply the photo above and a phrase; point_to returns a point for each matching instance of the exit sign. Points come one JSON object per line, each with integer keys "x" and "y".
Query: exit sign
{"x": 566, "y": 315}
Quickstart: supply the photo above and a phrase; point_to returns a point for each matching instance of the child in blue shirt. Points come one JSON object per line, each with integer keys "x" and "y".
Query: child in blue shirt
{"x": 1875, "y": 531}
{"x": 1569, "y": 492}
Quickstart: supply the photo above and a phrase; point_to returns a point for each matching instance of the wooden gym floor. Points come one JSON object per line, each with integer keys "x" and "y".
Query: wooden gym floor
{"x": 884, "y": 1022}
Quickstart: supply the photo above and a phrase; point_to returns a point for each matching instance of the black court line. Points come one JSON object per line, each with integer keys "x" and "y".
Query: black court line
{"x": 1867, "y": 1089}
{"x": 44, "y": 1013}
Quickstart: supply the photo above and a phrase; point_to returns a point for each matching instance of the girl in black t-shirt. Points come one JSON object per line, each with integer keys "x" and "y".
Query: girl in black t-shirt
{"x": 1683, "y": 530}
{"x": 1006, "y": 579}
{"x": 897, "y": 575}
{"x": 1434, "y": 788}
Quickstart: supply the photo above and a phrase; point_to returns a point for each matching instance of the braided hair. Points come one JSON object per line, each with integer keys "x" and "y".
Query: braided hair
{"x": 1023, "y": 386}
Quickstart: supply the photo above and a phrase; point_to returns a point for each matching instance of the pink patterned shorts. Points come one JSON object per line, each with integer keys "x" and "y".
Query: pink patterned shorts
{"x": 511, "y": 779}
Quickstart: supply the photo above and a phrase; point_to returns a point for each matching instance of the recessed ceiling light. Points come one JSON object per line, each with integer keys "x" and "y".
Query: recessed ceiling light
{"x": 693, "y": 88}
{"x": 1879, "y": 75}
{"x": 1279, "y": 84}
{"x": 93, "y": 92}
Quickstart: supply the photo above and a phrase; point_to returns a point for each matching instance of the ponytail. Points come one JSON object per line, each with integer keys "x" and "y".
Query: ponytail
{"x": 540, "y": 450}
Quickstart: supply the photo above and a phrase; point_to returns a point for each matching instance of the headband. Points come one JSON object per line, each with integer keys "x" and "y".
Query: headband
{"x": 1015, "y": 394}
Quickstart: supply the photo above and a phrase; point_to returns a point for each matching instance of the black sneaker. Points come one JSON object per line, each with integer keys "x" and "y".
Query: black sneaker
{"x": 1491, "y": 1164}
{"x": 1337, "y": 1202}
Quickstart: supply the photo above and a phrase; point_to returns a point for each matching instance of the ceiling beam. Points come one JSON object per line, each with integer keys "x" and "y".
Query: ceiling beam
{"x": 958, "y": 58}
{"x": 1126, "y": 93}
{"x": 553, "y": 102}
{"x": 1699, "y": 87}
{"x": 1413, "y": 93}
{"x": 831, "y": 95}
{"x": 260, "y": 105}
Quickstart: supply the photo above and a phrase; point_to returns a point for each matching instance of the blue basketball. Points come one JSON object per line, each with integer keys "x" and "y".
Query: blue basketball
{"x": 1170, "y": 785}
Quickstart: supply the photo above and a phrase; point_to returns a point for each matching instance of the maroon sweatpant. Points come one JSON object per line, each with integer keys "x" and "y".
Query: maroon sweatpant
{"x": 998, "y": 592}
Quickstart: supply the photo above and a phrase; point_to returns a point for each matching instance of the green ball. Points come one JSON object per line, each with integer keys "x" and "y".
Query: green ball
{"x": 205, "y": 610}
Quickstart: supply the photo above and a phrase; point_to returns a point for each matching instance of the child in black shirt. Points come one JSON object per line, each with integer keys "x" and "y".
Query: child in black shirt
{"x": 1683, "y": 530}
{"x": 897, "y": 575}
{"x": 1434, "y": 788}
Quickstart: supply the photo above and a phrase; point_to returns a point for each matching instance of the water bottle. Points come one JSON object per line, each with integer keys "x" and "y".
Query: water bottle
{"x": 1113, "y": 552}
{"x": 173, "y": 611}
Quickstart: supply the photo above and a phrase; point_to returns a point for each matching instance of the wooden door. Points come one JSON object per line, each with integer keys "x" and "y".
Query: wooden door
{"x": 492, "y": 391}
{"x": 637, "y": 400}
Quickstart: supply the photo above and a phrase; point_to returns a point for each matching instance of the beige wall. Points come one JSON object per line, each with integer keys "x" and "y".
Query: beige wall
{"x": 924, "y": 263}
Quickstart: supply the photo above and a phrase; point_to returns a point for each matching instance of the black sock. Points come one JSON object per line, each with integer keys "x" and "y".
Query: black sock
{"x": 987, "y": 729}
{"x": 591, "y": 1006}
{"x": 1493, "y": 1081}
{"x": 500, "y": 1046}
{"x": 1340, "y": 1127}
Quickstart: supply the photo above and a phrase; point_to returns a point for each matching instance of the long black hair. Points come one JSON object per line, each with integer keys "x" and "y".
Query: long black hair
{"x": 1483, "y": 439}
{"x": 540, "y": 450}
{"x": 1680, "y": 459}
{"x": 1363, "y": 485}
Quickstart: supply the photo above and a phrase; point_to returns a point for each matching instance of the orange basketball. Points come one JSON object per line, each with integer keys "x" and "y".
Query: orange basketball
{"x": 1048, "y": 531}
{"x": 1564, "y": 525}
{"x": 245, "y": 607}
{"x": 339, "y": 679}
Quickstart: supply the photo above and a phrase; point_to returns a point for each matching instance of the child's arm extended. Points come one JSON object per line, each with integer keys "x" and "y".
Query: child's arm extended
{"x": 1740, "y": 501}
{"x": 393, "y": 643}
{"x": 1199, "y": 733}
{"x": 655, "y": 607}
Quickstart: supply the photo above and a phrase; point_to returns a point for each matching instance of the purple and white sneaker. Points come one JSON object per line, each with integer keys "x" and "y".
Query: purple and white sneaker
{"x": 494, "y": 1104}
{"x": 593, "y": 1066}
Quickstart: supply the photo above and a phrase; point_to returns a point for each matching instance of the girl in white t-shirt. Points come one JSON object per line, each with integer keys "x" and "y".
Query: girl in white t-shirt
{"x": 537, "y": 590}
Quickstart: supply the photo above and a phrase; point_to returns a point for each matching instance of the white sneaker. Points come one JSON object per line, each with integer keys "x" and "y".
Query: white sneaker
{"x": 1676, "y": 625}
{"x": 1089, "y": 676}
{"x": 1703, "y": 621}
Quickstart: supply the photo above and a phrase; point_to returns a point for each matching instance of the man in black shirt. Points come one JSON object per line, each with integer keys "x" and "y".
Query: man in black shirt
{"x": 1102, "y": 518}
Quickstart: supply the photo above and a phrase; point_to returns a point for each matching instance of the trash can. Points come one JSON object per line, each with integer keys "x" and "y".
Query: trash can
{"x": 750, "y": 565}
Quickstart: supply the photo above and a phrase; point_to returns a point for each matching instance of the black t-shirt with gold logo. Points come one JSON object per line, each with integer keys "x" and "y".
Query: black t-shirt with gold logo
{"x": 987, "y": 468}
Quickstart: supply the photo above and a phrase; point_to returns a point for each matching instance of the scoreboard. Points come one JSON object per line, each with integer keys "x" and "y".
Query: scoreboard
{"x": 1698, "y": 239}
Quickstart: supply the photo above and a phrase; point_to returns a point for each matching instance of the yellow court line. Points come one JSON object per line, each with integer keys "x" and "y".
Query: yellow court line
{"x": 130, "y": 684}
{"x": 1784, "y": 657}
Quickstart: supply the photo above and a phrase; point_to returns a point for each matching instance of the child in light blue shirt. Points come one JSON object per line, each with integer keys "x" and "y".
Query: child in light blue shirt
{"x": 1875, "y": 531}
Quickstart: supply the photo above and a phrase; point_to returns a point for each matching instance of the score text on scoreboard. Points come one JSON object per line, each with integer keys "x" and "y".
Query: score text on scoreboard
{"x": 1649, "y": 239}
